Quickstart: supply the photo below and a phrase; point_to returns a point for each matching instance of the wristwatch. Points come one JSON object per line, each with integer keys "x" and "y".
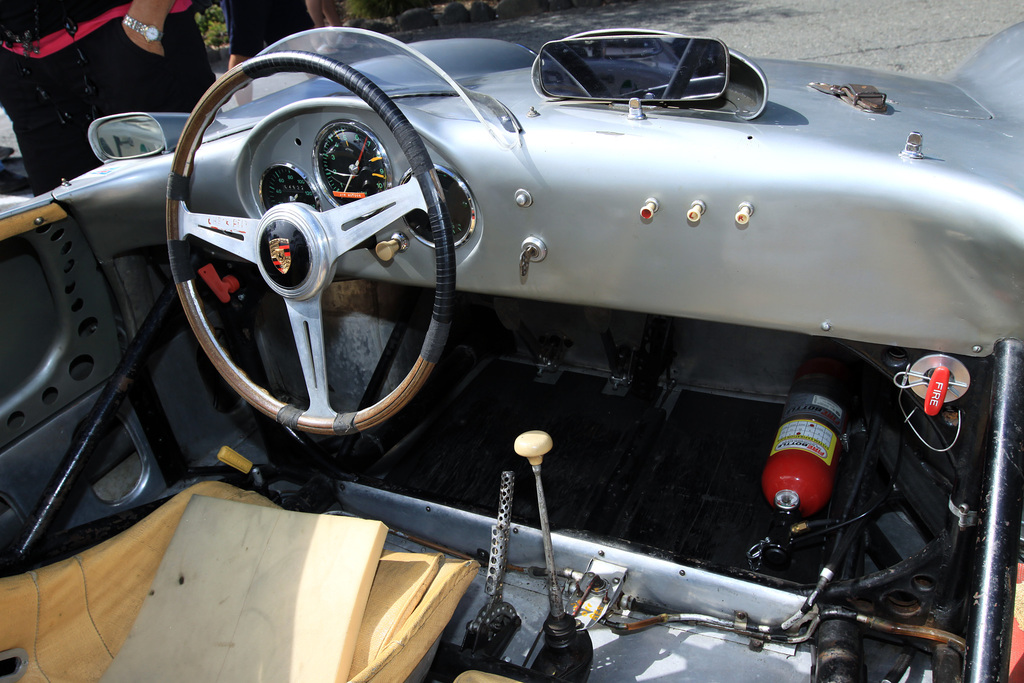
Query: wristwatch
{"x": 150, "y": 33}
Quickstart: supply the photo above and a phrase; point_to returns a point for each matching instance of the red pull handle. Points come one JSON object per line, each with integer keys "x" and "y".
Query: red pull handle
{"x": 222, "y": 288}
{"x": 935, "y": 397}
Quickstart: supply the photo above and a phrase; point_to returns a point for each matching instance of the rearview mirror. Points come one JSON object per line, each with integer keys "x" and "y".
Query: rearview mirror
{"x": 128, "y": 136}
{"x": 663, "y": 68}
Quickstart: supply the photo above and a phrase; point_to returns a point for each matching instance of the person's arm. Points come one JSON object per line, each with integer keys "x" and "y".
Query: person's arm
{"x": 152, "y": 12}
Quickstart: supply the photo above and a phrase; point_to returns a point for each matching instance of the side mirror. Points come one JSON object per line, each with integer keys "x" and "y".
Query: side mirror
{"x": 660, "y": 67}
{"x": 134, "y": 135}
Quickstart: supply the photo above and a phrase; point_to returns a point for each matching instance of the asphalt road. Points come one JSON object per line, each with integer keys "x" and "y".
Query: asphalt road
{"x": 915, "y": 36}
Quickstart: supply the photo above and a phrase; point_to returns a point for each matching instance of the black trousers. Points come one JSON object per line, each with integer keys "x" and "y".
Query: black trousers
{"x": 52, "y": 100}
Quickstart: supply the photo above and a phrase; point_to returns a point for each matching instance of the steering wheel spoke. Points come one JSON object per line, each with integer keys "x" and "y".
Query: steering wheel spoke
{"x": 237, "y": 236}
{"x": 308, "y": 330}
{"x": 352, "y": 224}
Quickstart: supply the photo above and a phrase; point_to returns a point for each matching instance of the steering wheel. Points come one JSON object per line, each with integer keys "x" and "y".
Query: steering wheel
{"x": 315, "y": 240}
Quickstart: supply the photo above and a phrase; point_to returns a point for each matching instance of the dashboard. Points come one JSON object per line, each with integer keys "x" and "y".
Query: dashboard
{"x": 330, "y": 158}
{"x": 579, "y": 183}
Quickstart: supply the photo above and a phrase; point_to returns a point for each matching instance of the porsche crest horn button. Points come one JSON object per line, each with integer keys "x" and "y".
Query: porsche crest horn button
{"x": 280, "y": 254}
{"x": 285, "y": 254}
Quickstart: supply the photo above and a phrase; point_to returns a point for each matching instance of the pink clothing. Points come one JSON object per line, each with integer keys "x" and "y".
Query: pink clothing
{"x": 58, "y": 40}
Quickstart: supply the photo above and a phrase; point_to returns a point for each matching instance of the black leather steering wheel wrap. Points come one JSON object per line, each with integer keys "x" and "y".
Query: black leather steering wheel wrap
{"x": 178, "y": 196}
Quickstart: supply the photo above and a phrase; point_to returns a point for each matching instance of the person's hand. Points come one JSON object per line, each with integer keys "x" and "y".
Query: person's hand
{"x": 156, "y": 47}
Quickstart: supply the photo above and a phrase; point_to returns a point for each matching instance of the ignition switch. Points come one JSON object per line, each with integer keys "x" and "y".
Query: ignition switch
{"x": 533, "y": 251}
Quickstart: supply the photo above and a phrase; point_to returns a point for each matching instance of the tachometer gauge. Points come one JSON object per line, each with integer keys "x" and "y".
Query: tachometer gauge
{"x": 282, "y": 183}
{"x": 460, "y": 207}
{"x": 350, "y": 162}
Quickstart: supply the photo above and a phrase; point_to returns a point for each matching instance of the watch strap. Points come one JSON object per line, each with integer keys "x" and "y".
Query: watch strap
{"x": 147, "y": 31}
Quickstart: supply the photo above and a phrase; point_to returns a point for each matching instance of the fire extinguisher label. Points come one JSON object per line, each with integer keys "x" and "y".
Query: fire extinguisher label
{"x": 806, "y": 435}
{"x": 814, "y": 406}
{"x": 829, "y": 405}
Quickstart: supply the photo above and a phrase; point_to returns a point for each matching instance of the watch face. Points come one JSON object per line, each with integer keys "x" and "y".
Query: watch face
{"x": 152, "y": 33}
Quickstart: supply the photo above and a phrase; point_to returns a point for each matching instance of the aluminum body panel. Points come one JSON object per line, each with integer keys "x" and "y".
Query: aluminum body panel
{"x": 845, "y": 235}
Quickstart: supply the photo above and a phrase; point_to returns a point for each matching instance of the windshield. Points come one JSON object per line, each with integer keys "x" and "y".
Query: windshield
{"x": 396, "y": 68}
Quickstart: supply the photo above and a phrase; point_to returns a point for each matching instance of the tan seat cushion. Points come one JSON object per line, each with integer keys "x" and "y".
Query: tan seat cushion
{"x": 78, "y": 620}
{"x": 247, "y": 593}
{"x": 394, "y": 645}
{"x": 72, "y": 617}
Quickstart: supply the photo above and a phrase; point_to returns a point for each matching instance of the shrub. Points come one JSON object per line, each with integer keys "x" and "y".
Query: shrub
{"x": 379, "y": 9}
{"x": 211, "y": 25}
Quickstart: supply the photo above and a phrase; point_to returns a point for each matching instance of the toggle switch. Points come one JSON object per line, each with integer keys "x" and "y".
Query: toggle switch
{"x": 744, "y": 212}
{"x": 697, "y": 210}
{"x": 649, "y": 208}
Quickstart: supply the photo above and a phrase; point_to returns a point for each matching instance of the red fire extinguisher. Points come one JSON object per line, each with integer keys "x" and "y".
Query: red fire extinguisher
{"x": 801, "y": 468}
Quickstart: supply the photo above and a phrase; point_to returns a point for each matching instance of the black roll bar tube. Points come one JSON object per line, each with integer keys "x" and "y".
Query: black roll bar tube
{"x": 990, "y": 618}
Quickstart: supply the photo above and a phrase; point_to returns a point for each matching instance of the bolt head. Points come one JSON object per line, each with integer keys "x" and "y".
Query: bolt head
{"x": 826, "y": 325}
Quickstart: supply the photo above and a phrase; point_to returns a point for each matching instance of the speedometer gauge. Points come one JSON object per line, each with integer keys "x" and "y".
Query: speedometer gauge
{"x": 350, "y": 162}
{"x": 282, "y": 183}
{"x": 460, "y": 207}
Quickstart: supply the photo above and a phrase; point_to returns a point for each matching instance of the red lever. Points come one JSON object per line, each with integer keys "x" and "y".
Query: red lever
{"x": 935, "y": 397}
{"x": 223, "y": 288}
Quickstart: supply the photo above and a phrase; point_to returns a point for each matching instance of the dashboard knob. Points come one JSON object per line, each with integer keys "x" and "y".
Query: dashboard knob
{"x": 386, "y": 250}
{"x": 649, "y": 208}
{"x": 697, "y": 210}
{"x": 744, "y": 212}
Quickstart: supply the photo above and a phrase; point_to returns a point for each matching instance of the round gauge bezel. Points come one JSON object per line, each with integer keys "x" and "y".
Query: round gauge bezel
{"x": 465, "y": 190}
{"x": 321, "y": 138}
{"x": 302, "y": 174}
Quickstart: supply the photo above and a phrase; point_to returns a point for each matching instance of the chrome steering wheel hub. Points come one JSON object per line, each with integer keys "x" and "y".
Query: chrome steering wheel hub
{"x": 294, "y": 251}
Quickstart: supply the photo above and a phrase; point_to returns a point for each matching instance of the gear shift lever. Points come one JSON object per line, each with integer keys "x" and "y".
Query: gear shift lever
{"x": 567, "y": 653}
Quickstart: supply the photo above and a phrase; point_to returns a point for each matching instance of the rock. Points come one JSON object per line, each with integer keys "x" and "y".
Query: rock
{"x": 454, "y": 13}
{"x": 559, "y": 5}
{"x": 356, "y": 22}
{"x": 586, "y": 3}
{"x": 513, "y": 9}
{"x": 417, "y": 17}
{"x": 480, "y": 11}
{"x": 379, "y": 26}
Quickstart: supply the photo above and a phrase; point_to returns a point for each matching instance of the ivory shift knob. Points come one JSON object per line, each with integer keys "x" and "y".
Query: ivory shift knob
{"x": 533, "y": 445}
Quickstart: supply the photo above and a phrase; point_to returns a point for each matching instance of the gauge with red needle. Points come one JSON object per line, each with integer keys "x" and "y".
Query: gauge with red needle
{"x": 350, "y": 162}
